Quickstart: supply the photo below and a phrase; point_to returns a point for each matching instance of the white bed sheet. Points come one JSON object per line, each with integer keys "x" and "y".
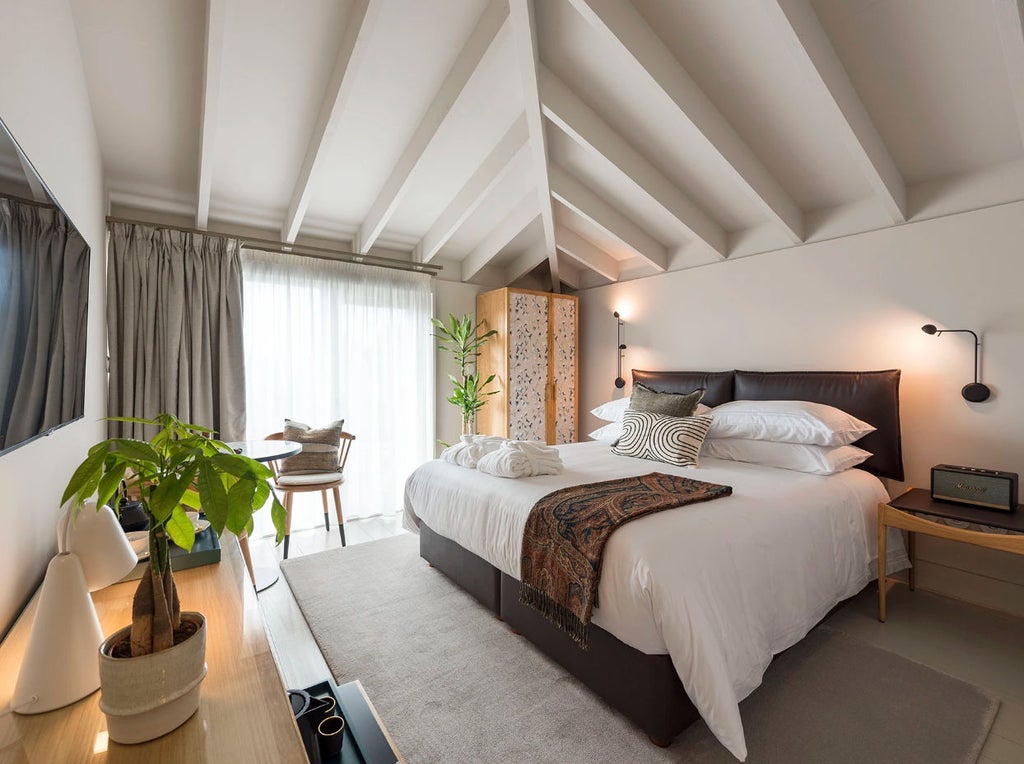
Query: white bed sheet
{"x": 720, "y": 586}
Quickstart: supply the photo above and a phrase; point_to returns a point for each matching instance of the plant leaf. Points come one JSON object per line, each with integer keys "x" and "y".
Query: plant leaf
{"x": 107, "y": 486}
{"x": 279, "y": 515}
{"x": 212, "y": 494}
{"x": 180, "y": 529}
{"x": 136, "y": 450}
{"x": 85, "y": 477}
{"x": 240, "y": 504}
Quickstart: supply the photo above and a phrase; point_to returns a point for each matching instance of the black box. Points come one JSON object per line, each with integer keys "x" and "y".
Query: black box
{"x": 975, "y": 487}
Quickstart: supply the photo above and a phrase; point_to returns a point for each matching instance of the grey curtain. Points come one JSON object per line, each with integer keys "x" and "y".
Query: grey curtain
{"x": 44, "y": 305}
{"x": 174, "y": 329}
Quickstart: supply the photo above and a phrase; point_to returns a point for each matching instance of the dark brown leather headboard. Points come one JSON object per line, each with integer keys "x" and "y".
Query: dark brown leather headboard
{"x": 873, "y": 396}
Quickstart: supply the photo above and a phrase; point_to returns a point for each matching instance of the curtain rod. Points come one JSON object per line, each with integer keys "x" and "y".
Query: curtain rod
{"x": 306, "y": 250}
{"x": 32, "y": 202}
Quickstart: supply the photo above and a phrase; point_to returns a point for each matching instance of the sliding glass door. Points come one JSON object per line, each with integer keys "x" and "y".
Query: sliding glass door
{"x": 328, "y": 340}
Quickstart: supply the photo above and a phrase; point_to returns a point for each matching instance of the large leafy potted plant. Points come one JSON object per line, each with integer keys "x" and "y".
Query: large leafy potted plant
{"x": 463, "y": 340}
{"x": 150, "y": 672}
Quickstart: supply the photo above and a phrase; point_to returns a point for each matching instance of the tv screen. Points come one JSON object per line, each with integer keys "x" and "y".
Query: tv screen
{"x": 44, "y": 304}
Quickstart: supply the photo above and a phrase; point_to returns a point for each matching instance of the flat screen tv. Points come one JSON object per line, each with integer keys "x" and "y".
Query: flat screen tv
{"x": 44, "y": 305}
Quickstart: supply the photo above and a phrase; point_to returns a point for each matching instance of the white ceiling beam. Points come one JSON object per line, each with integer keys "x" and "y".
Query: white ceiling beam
{"x": 488, "y": 175}
{"x": 216, "y": 19}
{"x": 820, "y": 65}
{"x": 584, "y": 202}
{"x": 571, "y": 274}
{"x": 524, "y": 33}
{"x": 583, "y": 125}
{"x": 351, "y": 52}
{"x": 481, "y": 40}
{"x": 586, "y": 254}
{"x": 526, "y": 262}
{"x": 1010, "y": 18}
{"x": 524, "y": 213}
{"x": 622, "y": 27}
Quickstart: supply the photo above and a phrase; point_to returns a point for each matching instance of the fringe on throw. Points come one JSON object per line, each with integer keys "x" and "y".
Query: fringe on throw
{"x": 556, "y": 613}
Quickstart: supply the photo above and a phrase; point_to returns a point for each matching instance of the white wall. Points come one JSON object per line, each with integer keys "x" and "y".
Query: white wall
{"x": 857, "y": 303}
{"x": 458, "y": 299}
{"x": 43, "y": 101}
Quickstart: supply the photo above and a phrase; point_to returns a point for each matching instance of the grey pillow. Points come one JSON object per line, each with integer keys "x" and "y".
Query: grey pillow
{"x": 674, "y": 440}
{"x": 319, "y": 448}
{"x": 670, "y": 404}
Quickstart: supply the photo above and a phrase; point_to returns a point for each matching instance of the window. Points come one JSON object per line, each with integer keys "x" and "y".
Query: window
{"x": 329, "y": 340}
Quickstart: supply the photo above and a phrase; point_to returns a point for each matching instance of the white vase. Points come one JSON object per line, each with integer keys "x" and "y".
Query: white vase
{"x": 148, "y": 696}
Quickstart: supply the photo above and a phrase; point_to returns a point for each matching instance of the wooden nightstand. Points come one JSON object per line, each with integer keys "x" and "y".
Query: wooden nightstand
{"x": 910, "y": 512}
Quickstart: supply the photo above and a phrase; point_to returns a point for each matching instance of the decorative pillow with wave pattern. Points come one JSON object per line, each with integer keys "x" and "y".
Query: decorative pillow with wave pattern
{"x": 662, "y": 438}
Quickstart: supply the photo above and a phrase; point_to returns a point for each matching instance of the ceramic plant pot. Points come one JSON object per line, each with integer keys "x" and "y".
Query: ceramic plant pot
{"x": 149, "y": 696}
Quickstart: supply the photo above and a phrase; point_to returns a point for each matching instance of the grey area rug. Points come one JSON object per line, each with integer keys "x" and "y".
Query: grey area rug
{"x": 454, "y": 684}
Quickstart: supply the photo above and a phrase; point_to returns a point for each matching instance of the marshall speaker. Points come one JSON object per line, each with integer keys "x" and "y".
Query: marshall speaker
{"x": 974, "y": 486}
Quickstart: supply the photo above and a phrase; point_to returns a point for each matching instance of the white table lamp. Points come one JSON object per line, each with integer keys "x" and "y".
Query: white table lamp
{"x": 61, "y": 662}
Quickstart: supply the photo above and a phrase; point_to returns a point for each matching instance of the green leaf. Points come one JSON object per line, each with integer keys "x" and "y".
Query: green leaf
{"x": 279, "y": 515}
{"x": 240, "y": 504}
{"x": 136, "y": 450}
{"x": 191, "y": 499}
{"x": 107, "y": 486}
{"x": 212, "y": 494}
{"x": 85, "y": 478}
{"x": 180, "y": 529}
{"x": 233, "y": 464}
{"x": 261, "y": 494}
{"x": 168, "y": 493}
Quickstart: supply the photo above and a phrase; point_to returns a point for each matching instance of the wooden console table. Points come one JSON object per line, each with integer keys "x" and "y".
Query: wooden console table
{"x": 244, "y": 714}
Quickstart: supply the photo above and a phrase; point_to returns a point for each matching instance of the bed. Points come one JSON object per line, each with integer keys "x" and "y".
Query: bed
{"x": 695, "y": 601}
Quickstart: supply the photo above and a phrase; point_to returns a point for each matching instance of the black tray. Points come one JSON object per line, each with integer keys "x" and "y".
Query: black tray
{"x": 364, "y": 740}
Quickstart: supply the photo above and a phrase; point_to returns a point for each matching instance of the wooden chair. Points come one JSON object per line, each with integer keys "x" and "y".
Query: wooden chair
{"x": 289, "y": 485}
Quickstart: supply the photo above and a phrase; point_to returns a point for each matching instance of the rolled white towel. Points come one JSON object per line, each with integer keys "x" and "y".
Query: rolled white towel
{"x": 521, "y": 458}
{"x": 467, "y": 452}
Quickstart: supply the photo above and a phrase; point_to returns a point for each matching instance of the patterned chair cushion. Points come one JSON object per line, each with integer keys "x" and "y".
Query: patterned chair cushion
{"x": 319, "y": 448}
{"x": 311, "y": 478}
{"x": 662, "y": 438}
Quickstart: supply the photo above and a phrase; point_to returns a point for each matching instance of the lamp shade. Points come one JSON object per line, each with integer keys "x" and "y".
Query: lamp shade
{"x": 100, "y": 544}
{"x": 61, "y": 663}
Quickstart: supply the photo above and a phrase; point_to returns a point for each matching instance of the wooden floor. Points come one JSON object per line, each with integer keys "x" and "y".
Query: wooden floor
{"x": 972, "y": 643}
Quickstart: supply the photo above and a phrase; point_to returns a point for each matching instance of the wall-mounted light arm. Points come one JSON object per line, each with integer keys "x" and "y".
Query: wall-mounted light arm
{"x": 619, "y": 323}
{"x": 975, "y": 391}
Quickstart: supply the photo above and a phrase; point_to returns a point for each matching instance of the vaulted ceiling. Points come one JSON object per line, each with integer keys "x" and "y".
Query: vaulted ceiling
{"x": 584, "y": 141}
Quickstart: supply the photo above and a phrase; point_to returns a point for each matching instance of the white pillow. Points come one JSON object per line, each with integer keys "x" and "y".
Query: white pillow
{"x": 818, "y": 460}
{"x": 609, "y": 433}
{"x": 612, "y": 411}
{"x": 787, "y": 422}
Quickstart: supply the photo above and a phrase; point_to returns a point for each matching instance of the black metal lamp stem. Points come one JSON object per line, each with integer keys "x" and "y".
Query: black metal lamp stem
{"x": 619, "y": 381}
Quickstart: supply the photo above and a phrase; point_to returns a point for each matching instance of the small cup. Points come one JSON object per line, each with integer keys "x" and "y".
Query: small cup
{"x": 331, "y": 733}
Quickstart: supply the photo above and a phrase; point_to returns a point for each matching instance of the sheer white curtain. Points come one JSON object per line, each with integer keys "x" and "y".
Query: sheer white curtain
{"x": 328, "y": 340}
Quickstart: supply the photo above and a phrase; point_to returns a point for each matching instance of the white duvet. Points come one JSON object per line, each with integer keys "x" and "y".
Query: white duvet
{"x": 720, "y": 586}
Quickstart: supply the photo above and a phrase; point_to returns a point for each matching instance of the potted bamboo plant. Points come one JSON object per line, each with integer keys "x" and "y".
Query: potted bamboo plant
{"x": 150, "y": 672}
{"x": 463, "y": 340}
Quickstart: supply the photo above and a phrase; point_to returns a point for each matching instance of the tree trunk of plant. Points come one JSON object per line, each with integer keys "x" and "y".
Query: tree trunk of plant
{"x": 156, "y": 612}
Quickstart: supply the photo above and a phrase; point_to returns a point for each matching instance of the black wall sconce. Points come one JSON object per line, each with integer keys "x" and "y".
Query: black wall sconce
{"x": 975, "y": 391}
{"x": 619, "y": 381}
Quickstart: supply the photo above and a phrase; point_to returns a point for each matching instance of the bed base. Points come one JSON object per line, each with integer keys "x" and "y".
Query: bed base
{"x": 644, "y": 688}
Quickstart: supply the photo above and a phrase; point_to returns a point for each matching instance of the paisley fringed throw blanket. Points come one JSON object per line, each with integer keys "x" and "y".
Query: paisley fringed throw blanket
{"x": 566, "y": 532}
